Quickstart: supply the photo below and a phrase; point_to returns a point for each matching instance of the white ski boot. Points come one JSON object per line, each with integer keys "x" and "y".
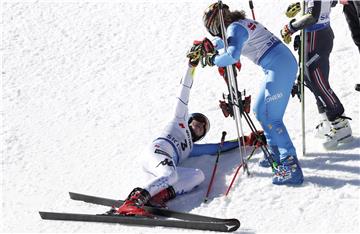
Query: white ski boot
{"x": 323, "y": 127}
{"x": 340, "y": 132}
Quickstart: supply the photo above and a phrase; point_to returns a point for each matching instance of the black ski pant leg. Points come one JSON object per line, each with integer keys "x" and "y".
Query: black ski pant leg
{"x": 319, "y": 45}
{"x": 352, "y": 15}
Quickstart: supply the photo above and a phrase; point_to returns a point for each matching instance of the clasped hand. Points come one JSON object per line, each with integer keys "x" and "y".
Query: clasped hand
{"x": 202, "y": 51}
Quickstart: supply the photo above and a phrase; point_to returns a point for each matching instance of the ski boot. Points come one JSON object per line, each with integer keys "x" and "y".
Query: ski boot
{"x": 340, "y": 132}
{"x": 288, "y": 172}
{"x": 323, "y": 127}
{"x": 134, "y": 204}
{"x": 160, "y": 199}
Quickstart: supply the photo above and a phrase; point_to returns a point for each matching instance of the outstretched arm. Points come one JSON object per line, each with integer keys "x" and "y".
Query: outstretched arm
{"x": 181, "y": 110}
{"x": 309, "y": 18}
{"x": 212, "y": 149}
{"x": 253, "y": 139}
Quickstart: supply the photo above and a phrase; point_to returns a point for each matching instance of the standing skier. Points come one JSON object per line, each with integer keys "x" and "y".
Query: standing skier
{"x": 251, "y": 39}
{"x": 334, "y": 127}
{"x": 173, "y": 146}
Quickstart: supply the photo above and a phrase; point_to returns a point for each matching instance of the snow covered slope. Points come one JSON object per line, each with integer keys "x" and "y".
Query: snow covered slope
{"x": 87, "y": 84}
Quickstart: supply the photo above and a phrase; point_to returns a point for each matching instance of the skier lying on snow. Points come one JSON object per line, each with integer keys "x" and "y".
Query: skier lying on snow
{"x": 165, "y": 153}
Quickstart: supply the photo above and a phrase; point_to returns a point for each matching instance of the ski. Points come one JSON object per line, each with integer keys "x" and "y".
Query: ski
{"x": 153, "y": 210}
{"x": 161, "y": 217}
{"x": 228, "y": 225}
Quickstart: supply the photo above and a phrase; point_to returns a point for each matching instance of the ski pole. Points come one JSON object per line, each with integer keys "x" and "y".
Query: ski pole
{"x": 237, "y": 171}
{"x": 233, "y": 89}
{"x": 215, "y": 166}
{"x": 233, "y": 179}
{"x": 263, "y": 146}
{"x": 251, "y": 5}
{"x": 302, "y": 74}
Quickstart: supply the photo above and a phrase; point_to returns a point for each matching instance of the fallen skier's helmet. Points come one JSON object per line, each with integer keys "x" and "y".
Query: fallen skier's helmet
{"x": 202, "y": 119}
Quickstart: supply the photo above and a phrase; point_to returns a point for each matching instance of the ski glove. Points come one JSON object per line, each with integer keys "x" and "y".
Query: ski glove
{"x": 296, "y": 91}
{"x": 208, "y": 59}
{"x": 287, "y": 31}
{"x": 209, "y": 53}
{"x": 254, "y": 139}
{"x": 293, "y": 9}
{"x": 194, "y": 54}
{"x": 203, "y": 51}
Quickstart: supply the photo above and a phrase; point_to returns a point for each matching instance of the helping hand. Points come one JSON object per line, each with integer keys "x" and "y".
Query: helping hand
{"x": 194, "y": 54}
{"x": 208, "y": 59}
{"x": 203, "y": 51}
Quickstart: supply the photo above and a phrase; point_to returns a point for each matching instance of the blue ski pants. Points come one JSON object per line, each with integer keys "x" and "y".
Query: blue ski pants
{"x": 280, "y": 68}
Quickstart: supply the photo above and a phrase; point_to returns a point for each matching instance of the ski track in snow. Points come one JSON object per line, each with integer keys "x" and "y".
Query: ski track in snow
{"x": 86, "y": 85}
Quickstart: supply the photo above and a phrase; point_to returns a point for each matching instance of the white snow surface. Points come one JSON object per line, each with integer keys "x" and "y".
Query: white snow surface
{"x": 86, "y": 85}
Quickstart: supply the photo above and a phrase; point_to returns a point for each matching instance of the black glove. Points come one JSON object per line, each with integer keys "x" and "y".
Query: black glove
{"x": 296, "y": 91}
{"x": 297, "y": 42}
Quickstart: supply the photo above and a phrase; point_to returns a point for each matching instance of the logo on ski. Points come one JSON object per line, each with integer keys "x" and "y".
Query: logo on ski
{"x": 229, "y": 227}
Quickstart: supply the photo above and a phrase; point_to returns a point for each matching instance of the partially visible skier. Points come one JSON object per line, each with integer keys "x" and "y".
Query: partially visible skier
{"x": 334, "y": 127}
{"x": 352, "y": 14}
{"x": 164, "y": 155}
{"x": 351, "y": 10}
{"x": 251, "y": 39}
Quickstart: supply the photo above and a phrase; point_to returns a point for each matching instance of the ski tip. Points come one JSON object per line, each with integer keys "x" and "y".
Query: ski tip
{"x": 42, "y": 214}
{"x": 73, "y": 195}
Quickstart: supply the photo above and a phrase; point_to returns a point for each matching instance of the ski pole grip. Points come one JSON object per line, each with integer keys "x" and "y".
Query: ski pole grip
{"x": 223, "y": 138}
{"x": 251, "y": 5}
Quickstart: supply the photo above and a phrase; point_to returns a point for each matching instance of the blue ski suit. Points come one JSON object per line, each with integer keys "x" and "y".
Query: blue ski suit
{"x": 249, "y": 38}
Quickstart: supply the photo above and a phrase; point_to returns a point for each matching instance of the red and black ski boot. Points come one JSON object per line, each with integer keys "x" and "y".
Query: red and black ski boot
{"x": 160, "y": 199}
{"x": 134, "y": 204}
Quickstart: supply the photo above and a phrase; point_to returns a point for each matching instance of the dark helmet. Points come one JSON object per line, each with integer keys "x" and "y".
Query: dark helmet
{"x": 211, "y": 19}
{"x": 200, "y": 118}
